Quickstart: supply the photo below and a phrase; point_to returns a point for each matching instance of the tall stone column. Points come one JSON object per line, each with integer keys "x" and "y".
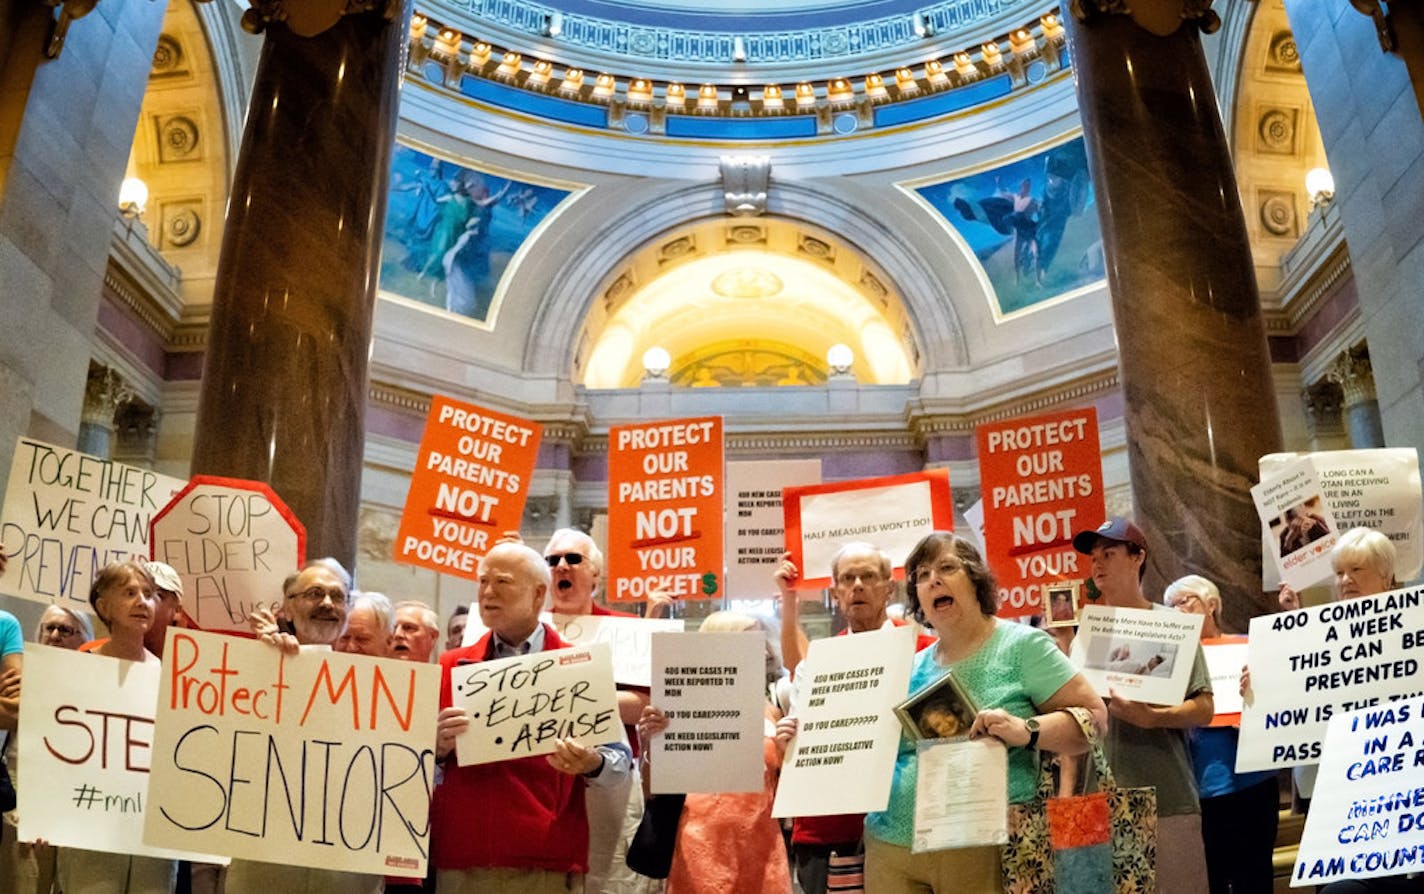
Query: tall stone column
{"x": 104, "y": 391}
{"x": 1323, "y": 419}
{"x": 1201, "y": 405}
{"x": 1356, "y": 376}
{"x": 284, "y": 387}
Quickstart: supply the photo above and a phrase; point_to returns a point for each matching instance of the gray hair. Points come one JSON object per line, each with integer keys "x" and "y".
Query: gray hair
{"x": 1369, "y": 546}
{"x": 80, "y": 620}
{"x": 533, "y": 563}
{"x": 1200, "y": 586}
{"x": 428, "y": 618}
{"x": 379, "y": 605}
{"x": 329, "y": 564}
{"x": 859, "y": 546}
{"x": 590, "y": 549}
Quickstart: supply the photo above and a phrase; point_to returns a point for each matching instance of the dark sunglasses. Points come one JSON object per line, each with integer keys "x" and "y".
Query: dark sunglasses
{"x": 572, "y": 558}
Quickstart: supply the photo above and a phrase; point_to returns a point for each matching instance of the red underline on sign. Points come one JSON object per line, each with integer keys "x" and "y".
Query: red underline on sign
{"x": 1037, "y": 547}
{"x": 455, "y": 516}
{"x": 666, "y": 541}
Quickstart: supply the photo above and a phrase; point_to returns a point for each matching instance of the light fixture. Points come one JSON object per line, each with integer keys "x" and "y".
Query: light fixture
{"x": 707, "y": 96}
{"x": 934, "y": 72}
{"x": 603, "y": 86}
{"x": 656, "y": 361}
{"x": 418, "y": 25}
{"x": 509, "y": 65}
{"x": 838, "y": 90}
{"x": 1052, "y": 28}
{"x": 805, "y": 95}
{"x": 640, "y": 91}
{"x": 771, "y": 97}
{"x": 540, "y": 74}
{"x": 1022, "y": 42}
{"x": 992, "y": 54}
{"x": 1321, "y": 187}
{"x": 479, "y": 54}
{"x": 840, "y": 358}
{"x": 875, "y": 86}
{"x": 447, "y": 44}
{"x": 675, "y": 95}
{"x": 964, "y": 65}
{"x": 133, "y": 197}
{"x": 573, "y": 80}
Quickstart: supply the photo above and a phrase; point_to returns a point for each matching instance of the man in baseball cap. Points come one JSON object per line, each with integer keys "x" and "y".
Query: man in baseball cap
{"x": 1147, "y": 744}
{"x": 168, "y": 588}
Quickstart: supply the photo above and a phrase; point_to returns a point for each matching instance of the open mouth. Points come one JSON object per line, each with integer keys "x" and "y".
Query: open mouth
{"x": 565, "y": 584}
{"x": 943, "y": 601}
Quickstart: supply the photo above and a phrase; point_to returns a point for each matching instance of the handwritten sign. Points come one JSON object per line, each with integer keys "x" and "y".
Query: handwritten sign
{"x": 1042, "y": 479}
{"x": 68, "y": 514}
{"x": 665, "y": 509}
{"x": 843, "y": 756}
{"x": 629, "y": 639}
{"x": 1312, "y": 663}
{"x": 519, "y": 706}
{"x": 1377, "y": 488}
{"x": 712, "y": 686}
{"x": 318, "y": 759}
{"x": 85, "y": 748}
{"x": 1301, "y": 529}
{"x": 232, "y": 543}
{"x": 756, "y": 535}
{"x": 892, "y": 512}
{"x": 1140, "y": 654}
{"x": 470, "y": 480}
{"x": 1367, "y": 817}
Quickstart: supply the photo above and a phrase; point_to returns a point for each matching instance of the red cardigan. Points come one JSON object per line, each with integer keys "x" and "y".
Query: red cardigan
{"x": 515, "y": 814}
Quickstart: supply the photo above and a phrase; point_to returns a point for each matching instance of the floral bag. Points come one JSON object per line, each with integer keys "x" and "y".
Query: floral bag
{"x": 1085, "y": 844}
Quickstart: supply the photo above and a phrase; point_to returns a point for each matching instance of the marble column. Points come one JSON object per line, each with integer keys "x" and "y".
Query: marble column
{"x": 1196, "y": 375}
{"x": 104, "y": 391}
{"x": 1356, "y": 377}
{"x": 284, "y": 387}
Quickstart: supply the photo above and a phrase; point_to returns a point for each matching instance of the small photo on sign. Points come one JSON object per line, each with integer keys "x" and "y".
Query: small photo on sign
{"x": 1299, "y": 526}
{"x": 1141, "y": 658}
{"x": 1061, "y": 602}
{"x": 940, "y": 710}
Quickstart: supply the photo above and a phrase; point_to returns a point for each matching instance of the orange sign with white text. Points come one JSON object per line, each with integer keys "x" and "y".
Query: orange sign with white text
{"x": 1042, "y": 480}
{"x": 665, "y": 509}
{"x": 470, "y": 480}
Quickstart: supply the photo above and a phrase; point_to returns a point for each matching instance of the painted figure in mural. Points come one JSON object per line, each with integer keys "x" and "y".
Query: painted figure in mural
{"x": 416, "y": 230}
{"x": 466, "y": 262}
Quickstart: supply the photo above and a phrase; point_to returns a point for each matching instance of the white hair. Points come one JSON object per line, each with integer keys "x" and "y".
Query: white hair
{"x": 590, "y": 549}
{"x": 533, "y": 563}
{"x": 379, "y": 605}
{"x": 428, "y": 618}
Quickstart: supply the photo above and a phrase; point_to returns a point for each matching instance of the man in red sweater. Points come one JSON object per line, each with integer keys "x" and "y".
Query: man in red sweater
{"x": 519, "y": 825}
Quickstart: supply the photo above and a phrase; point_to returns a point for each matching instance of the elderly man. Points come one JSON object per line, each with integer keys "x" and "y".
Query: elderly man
{"x": 455, "y": 630}
{"x": 517, "y": 825}
{"x": 168, "y": 587}
{"x": 315, "y": 602}
{"x": 417, "y": 631}
{"x": 370, "y": 626}
{"x": 1147, "y": 744}
{"x": 862, "y": 585}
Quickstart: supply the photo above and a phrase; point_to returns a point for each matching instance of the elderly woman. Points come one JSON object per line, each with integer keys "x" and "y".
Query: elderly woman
{"x": 124, "y": 598}
{"x": 1022, "y": 682}
{"x": 1240, "y": 811}
{"x": 63, "y": 628}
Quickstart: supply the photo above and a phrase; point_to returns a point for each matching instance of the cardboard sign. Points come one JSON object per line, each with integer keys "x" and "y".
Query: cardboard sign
{"x": 1138, "y": 653}
{"x": 85, "y": 748}
{"x": 1367, "y": 817}
{"x": 1377, "y": 489}
{"x": 1300, "y": 528}
{"x": 843, "y": 756}
{"x": 892, "y": 512}
{"x": 1225, "y": 657}
{"x": 665, "y": 509}
{"x": 712, "y": 686}
{"x": 756, "y": 535}
{"x": 1042, "y": 479}
{"x": 318, "y": 759}
{"x": 470, "y": 480}
{"x": 519, "y": 706}
{"x": 629, "y": 639}
{"x": 68, "y": 514}
{"x": 974, "y": 515}
{"x": 1312, "y": 663}
{"x": 232, "y": 543}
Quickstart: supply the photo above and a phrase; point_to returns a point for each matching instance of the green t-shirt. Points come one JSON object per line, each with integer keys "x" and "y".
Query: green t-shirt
{"x": 1017, "y": 668}
{"x": 1158, "y": 757}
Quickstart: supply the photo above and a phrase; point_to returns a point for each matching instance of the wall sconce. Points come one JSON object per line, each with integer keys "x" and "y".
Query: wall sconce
{"x": 840, "y": 358}
{"x": 676, "y": 95}
{"x": 418, "y": 25}
{"x": 447, "y": 45}
{"x": 707, "y": 96}
{"x": 656, "y": 362}
{"x": 875, "y": 86}
{"x": 965, "y": 66}
{"x": 1021, "y": 42}
{"x": 640, "y": 92}
{"x": 541, "y": 73}
{"x": 1321, "y": 187}
{"x": 573, "y": 80}
{"x": 1052, "y": 28}
{"x": 934, "y": 73}
{"x": 838, "y": 90}
{"x": 905, "y": 81}
{"x": 993, "y": 56}
{"x": 509, "y": 65}
{"x": 771, "y": 97}
{"x": 603, "y": 86}
{"x": 805, "y": 96}
{"x": 133, "y": 198}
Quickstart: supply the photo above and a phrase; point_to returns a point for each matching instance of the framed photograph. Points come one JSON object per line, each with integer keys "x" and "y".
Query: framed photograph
{"x": 941, "y": 710}
{"x": 1061, "y": 602}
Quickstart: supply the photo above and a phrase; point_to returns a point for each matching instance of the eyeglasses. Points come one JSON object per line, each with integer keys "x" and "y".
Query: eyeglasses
{"x": 571, "y": 558}
{"x": 63, "y": 630}
{"x": 850, "y": 578}
{"x": 945, "y": 569}
{"x": 320, "y": 594}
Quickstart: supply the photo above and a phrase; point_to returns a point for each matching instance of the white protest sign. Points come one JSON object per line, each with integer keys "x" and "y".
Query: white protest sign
{"x": 630, "y": 639}
{"x": 712, "y": 687}
{"x": 1138, "y": 653}
{"x": 1300, "y": 527}
{"x": 843, "y": 756}
{"x": 1367, "y": 817}
{"x": 85, "y": 748}
{"x": 318, "y": 759}
{"x": 755, "y": 525}
{"x": 974, "y": 515}
{"x": 1312, "y": 663}
{"x": 233, "y": 543}
{"x": 519, "y": 706}
{"x": 1225, "y": 657}
{"x": 1378, "y": 488}
{"x": 68, "y": 514}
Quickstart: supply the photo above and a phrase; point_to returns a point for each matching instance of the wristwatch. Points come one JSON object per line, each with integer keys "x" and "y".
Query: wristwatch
{"x": 1031, "y": 725}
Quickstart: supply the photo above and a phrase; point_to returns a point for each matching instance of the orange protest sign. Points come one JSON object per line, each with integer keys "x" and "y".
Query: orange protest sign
{"x": 892, "y": 512}
{"x": 470, "y": 480}
{"x": 665, "y": 509}
{"x": 1042, "y": 480}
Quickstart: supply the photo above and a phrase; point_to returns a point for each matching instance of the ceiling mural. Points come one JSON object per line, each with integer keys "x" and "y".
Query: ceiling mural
{"x": 451, "y": 231}
{"x": 1031, "y": 223}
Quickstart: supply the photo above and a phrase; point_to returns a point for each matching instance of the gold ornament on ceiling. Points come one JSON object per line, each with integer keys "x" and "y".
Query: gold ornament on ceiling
{"x": 747, "y": 282}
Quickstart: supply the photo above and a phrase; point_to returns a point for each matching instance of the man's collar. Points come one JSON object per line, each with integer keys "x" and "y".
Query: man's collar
{"x": 503, "y": 648}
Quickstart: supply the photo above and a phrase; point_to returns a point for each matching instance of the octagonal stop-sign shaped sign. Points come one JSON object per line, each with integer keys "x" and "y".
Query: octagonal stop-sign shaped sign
{"x": 233, "y": 543}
